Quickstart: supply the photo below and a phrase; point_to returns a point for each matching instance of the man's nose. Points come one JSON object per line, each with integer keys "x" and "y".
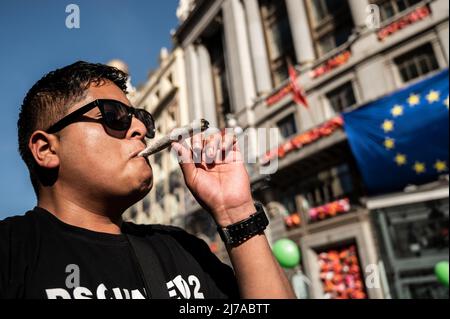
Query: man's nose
{"x": 137, "y": 129}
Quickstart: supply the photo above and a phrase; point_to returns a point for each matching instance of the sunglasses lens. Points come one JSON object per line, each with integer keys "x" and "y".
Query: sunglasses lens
{"x": 116, "y": 116}
{"x": 146, "y": 118}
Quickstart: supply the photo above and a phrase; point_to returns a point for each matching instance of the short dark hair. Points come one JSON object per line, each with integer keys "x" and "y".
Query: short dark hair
{"x": 50, "y": 99}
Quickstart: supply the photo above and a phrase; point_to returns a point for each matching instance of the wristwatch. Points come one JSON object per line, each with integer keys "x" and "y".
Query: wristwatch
{"x": 238, "y": 233}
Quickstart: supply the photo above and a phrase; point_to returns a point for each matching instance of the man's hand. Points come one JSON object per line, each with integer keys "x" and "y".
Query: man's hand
{"x": 215, "y": 173}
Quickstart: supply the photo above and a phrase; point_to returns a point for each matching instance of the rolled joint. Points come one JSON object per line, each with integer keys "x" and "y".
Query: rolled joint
{"x": 176, "y": 135}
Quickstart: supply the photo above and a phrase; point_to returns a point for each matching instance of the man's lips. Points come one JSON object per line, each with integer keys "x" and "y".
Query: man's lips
{"x": 136, "y": 153}
{"x": 134, "y": 156}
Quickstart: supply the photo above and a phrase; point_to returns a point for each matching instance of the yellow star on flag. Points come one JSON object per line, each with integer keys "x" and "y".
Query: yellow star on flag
{"x": 397, "y": 111}
{"x": 414, "y": 100}
{"x": 388, "y": 126}
{"x": 389, "y": 143}
{"x": 433, "y": 96}
{"x": 446, "y": 102}
{"x": 420, "y": 168}
{"x": 441, "y": 166}
{"x": 401, "y": 159}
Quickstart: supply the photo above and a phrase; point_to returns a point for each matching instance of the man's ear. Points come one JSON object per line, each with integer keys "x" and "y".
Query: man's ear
{"x": 44, "y": 148}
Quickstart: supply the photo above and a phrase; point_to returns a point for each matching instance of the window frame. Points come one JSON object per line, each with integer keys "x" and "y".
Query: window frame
{"x": 220, "y": 75}
{"x": 328, "y": 26}
{"x": 435, "y": 65}
{"x": 295, "y": 122}
{"x": 342, "y": 95}
{"x": 287, "y": 54}
{"x": 394, "y": 5}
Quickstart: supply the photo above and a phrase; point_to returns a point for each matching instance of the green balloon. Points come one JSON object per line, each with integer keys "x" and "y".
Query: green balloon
{"x": 441, "y": 271}
{"x": 287, "y": 253}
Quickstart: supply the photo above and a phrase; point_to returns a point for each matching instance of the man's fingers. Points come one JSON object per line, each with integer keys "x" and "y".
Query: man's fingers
{"x": 211, "y": 148}
{"x": 229, "y": 140}
{"x": 229, "y": 151}
{"x": 214, "y": 146}
{"x": 197, "y": 147}
{"x": 184, "y": 156}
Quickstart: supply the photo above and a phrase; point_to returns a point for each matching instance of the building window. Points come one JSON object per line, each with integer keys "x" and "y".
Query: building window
{"x": 412, "y": 237}
{"x": 288, "y": 126}
{"x": 323, "y": 8}
{"x": 342, "y": 260}
{"x": 425, "y": 289}
{"x": 417, "y": 63}
{"x": 332, "y": 24}
{"x": 342, "y": 98}
{"x": 418, "y": 230}
{"x": 328, "y": 186}
{"x": 288, "y": 199}
{"x": 216, "y": 49}
{"x": 391, "y": 8}
{"x": 278, "y": 38}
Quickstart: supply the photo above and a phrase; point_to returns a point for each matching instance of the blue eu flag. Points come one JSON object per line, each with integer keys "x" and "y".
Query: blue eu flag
{"x": 402, "y": 139}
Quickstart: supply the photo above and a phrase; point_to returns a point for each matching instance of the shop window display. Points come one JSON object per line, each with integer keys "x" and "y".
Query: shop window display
{"x": 293, "y": 218}
{"x": 326, "y": 195}
{"x": 413, "y": 237}
{"x": 417, "y": 231}
{"x": 340, "y": 273}
{"x": 329, "y": 210}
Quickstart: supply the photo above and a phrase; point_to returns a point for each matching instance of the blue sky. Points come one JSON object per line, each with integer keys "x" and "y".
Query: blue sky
{"x": 34, "y": 40}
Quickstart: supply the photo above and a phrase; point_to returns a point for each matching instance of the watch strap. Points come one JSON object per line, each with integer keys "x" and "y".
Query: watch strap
{"x": 242, "y": 231}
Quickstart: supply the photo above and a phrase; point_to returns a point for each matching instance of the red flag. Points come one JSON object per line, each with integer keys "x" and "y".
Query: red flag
{"x": 299, "y": 97}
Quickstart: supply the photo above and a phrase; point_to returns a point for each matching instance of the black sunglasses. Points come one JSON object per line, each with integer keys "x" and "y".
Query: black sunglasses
{"x": 115, "y": 115}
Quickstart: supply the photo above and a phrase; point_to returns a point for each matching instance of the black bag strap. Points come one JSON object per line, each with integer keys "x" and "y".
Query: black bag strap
{"x": 150, "y": 267}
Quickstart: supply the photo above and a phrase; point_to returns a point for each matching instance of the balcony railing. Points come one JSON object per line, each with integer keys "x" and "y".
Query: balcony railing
{"x": 404, "y": 19}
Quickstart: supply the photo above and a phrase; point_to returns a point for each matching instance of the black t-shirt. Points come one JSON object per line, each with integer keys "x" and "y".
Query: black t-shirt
{"x": 43, "y": 258}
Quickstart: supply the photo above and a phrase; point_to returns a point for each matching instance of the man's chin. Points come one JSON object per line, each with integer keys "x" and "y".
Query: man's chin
{"x": 143, "y": 190}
